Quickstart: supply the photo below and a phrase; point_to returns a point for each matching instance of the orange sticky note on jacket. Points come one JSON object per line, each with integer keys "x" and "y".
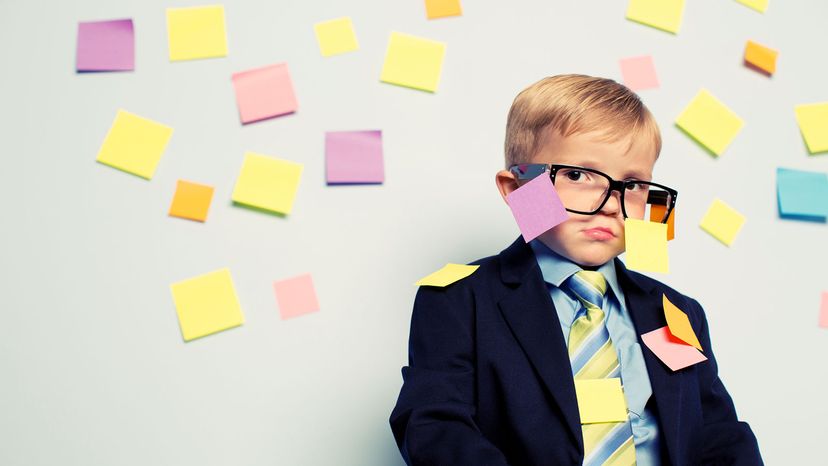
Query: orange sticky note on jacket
{"x": 679, "y": 324}
{"x": 761, "y": 57}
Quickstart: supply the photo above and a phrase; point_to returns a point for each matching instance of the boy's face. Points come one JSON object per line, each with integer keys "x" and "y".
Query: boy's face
{"x": 591, "y": 240}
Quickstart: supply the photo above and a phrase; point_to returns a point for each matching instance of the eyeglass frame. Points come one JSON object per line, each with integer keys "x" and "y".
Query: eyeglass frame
{"x": 519, "y": 170}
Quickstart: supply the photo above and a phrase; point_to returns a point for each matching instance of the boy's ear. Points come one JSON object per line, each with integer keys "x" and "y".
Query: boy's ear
{"x": 506, "y": 183}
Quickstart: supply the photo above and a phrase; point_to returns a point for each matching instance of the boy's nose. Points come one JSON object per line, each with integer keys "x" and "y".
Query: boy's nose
{"x": 613, "y": 204}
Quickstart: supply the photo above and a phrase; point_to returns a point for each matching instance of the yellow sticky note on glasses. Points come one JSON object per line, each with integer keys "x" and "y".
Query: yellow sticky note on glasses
{"x": 601, "y": 400}
{"x": 657, "y": 214}
{"x": 646, "y": 246}
{"x": 758, "y": 5}
{"x": 336, "y": 36}
{"x": 206, "y": 304}
{"x": 813, "y": 123}
{"x": 134, "y": 144}
{"x": 413, "y": 62}
{"x": 722, "y": 222}
{"x": 196, "y": 32}
{"x": 660, "y": 14}
{"x": 710, "y": 122}
{"x": 447, "y": 275}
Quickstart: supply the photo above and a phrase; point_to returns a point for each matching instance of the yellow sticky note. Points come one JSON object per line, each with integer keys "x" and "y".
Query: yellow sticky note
{"x": 661, "y": 14}
{"x": 601, "y": 400}
{"x": 134, "y": 144}
{"x": 813, "y": 123}
{"x": 758, "y": 5}
{"x": 336, "y": 36}
{"x": 443, "y": 8}
{"x": 267, "y": 183}
{"x": 196, "y": 32}
{"x": 679, "y": 324}
{"x": 710, "y": 122}
{"x": 206, "y": 304}
{"x": 447, "y": 275}
{"x": 191, "y": 200}
{"x": 413, "y": 62}
{"x": 646, "y": 245}
{"x": 722, "y": 222}
{"x": 761, "y": 57}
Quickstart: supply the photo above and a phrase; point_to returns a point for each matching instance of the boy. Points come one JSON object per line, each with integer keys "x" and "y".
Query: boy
{"x": 494, "y": 359}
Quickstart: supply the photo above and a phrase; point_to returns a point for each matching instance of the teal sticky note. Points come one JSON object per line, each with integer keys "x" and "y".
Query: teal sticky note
{"x": 802, "y": 193}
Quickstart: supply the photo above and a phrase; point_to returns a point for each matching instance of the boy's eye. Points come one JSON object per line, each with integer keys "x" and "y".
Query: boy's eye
{"x": 636, "y": 186}
{"x": 574, "y": 175}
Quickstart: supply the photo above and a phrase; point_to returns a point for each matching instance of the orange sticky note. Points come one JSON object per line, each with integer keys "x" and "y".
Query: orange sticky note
{"x": 761, "y": 57}
{"x": 296, "y": 296}
{"x": 443, "y": 8}
{"x": 679, "y": 324}
{"x": 657, "y": 213}
{"x": 191, "y": 200}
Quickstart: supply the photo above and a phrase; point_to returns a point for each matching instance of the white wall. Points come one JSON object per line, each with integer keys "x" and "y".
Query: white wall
{"x": 93, "y": 369}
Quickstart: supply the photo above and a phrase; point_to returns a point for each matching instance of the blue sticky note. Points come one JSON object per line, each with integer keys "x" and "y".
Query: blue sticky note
{"x": 802, "y": 193}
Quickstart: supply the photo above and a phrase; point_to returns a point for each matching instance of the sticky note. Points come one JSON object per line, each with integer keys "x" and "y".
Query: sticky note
{"x": 191, "y": 200}
{"x": 679, "y": 324}
{"x": 600, "y": 400}
{"x": 447, "y": 275}
{"x": 206, "y": 304}
{"x": 265, "y": 92}
{"x": 761, "y": 57}
{"x": 823, "y": 310}
{"x": 710, "y": 122}
{"x": 354, "y": 157}
{"x": 442, "y": 8}
{"x": 657, "y": 213}
{"x": 758, "y": 5}
{"x": 134, "y": 144}
{"x": 296, "y": 296}
{"x": 722, "y": 222}
{"x": 813, "y": 123}
{"x": 413, "y": 62}
{"x": 196, "y": 32}
{"x": 105, "y": 46}
{"x": 336, "y": 36}
{"x": 660, "y": 14}
{"x": 267, "y": 183}
{"x": 646, "y": 246}
{"x": 802, "y": 193}
{"x": 673, "y": 352}
{"x": 536, "y": 207}
{"x": 639, "y": 73}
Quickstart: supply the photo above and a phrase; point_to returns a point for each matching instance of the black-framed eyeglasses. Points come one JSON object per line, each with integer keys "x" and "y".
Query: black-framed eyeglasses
{"x": 586, "y": 191}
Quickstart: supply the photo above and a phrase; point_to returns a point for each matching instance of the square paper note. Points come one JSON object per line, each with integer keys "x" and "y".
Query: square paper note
{"x": 442, "y": 8}
{"x": 646, "y": 245}
{"x": 413, "y": 62}
{"x": 206, "y": 304}
{"x": 196, "y": 32}
{"x": 813, "y": 123}
{"x": 639, "y": 73}
{"x": 673, "y": 352}
{"x": 710, "y": 122}
{"x": 761, "y": 57}
{"x": 264, "y": 93}
{"x": 354, "y": 157}
{"x": 758, "y": 5}
{"x": 661, "y": 14}
{"x": 722, "y": 222}
{"x": 536, "y": 207}
{"x": 267, "y": 183}
{"x": 802, "y": 193}
{"x": 191, "y": 201}
{"x": 336, "y": 36}
{"x": 106, "y": 46}
{"x": 134, "y": 144}
{"x": 296, "y": 296}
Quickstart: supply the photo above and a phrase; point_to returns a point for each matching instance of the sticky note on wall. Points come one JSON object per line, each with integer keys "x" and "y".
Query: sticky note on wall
{"x": 264, "y": 92}
{"x": 639, "y": 73}
{"x": 722, "y": 222}
{"x": 267, "y": 183}
{"x": 710, "y": 122}
{"x": 336, "y": 36}
{"x": 660, "y": 14}
{"x": 813, "y": 123}
{"x": 196, "y": 32}
{"x": 802, "y": 193}
{"x": 134, "y": 144}
{"x": 442, "y": 8}
{"x": 191, "y": 201}
{"x": 413, "y": 62}
{"x": 758, "y": 5}
{"x": 296, "y": 296}
{"x": 105, "y": 46}
{"x": 354, "y": 157}
{"x": 206, "y": 304}
{"x": 761, "y": 57}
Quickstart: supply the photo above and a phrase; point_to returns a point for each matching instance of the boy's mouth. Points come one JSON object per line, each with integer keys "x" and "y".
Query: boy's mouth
{"x": 600, "y": 233}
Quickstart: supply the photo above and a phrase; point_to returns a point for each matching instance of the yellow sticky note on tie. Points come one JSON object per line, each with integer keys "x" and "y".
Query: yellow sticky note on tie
{"x": 758, "y": 5}
{"x": 761, "y": 57}
{"x": 722, "y": 222}
{"x": 196, "y": 32}
{"x": 813, "y": 123}
{"x": 646, "y": 246}
{"x": 336, "y": 36}
{"x": 660, "y": 14}
{"x": 413, "y": 62}
{"x": 206, "y": 304}
{"x": 679, "y": 324}
{"x": 710, "y": 122}
{"x": 601, "y": 400}
{"x": 447, "y": 275}
{"x": 267, "y": 183}
{"x": 134, "y": 144}
{"x": 442, "y": 8}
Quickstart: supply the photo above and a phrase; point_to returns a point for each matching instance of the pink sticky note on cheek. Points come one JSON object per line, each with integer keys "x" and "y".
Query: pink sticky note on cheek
{"x": 536, "y": 207}
{"x": 673, "y": 352}
{"x": 823, "y": 312}
{"x": 264, "y": 93}
{"x": 296, "y": 296}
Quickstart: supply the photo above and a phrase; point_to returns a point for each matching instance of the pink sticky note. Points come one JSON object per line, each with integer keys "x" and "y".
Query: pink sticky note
{"x": 296, "y": 296}
{"x": 639, "y": 73}
{"x": 672, "y": 351}
{"x": 823, "y": 311}
{"x": 536, "y": 207}
{"x": 265, "y": 92}
{"x": 354, "y": 157}
{"x": 105, "y": 46}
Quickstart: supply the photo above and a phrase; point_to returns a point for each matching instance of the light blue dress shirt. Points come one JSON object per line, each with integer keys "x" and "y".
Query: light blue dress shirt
{"x": 637, "y": 389}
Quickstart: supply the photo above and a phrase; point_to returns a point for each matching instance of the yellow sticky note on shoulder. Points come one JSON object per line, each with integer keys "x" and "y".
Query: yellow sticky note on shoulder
{"x": 413, "y": 62}
{"x": 813, "y": 123}
{"x": 646, "y": 246}
{"x": 196, "y": 32}
{"x": 679, "y": 324}
{"x": 660, "y": 14}
{"x": 722, "y": 222}
{"x": 206, "y": 304}
{"x": 710, "y": 122}
{"x": 134, "y": 144}
{"x": 267, "y": 183}
{"x": 336, "y": 36}
{"x": 447, "y": 275}
{"x": 758, "y": 5}
{"x": 601, "y": 400}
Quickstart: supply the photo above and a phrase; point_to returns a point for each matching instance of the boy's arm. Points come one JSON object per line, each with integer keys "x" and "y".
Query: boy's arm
{"x": 433, "y": 421}
{"x": 725, "y": 440}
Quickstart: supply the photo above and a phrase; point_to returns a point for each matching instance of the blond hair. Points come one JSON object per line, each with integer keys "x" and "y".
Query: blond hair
{"x": 573, "y": 103}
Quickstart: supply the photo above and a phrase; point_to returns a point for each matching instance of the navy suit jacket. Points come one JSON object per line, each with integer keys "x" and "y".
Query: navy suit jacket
{"x": 489, "y": 382}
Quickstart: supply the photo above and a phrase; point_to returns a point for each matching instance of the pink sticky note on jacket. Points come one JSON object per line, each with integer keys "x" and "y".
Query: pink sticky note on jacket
{"x": 673, "y": 352}
{"x": 536, "y": 207}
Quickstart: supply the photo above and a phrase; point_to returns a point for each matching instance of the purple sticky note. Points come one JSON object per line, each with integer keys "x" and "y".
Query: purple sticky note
{"x": 673, "y": 352}
{"x": 536, "y": 207}
{"x": 106, "y": 46}
{"x": 354, "y": 157}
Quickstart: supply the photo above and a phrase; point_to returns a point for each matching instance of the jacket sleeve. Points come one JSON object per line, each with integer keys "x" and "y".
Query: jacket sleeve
{"x": 725, "y": 439}
{"x": 434, "y": 419}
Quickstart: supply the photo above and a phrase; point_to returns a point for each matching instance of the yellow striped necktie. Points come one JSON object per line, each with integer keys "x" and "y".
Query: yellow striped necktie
{"x": 593, "y": 356}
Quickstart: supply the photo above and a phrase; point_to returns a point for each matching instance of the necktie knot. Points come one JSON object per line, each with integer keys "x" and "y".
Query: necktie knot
{"x": 589, "y": 287}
